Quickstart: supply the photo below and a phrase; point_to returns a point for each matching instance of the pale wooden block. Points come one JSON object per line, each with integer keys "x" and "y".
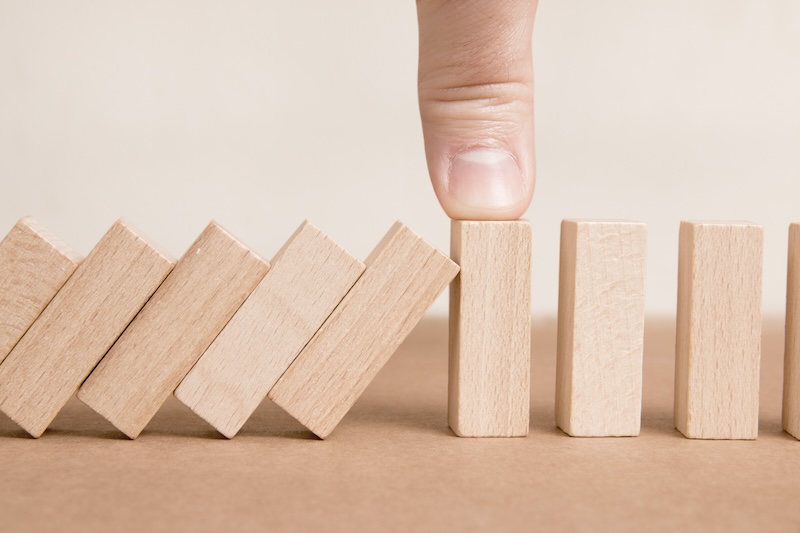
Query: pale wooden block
{"x": 78, "y": 327}
{"x": 34, "y": 265}
{"x": 718, "y": 345}
{"x": 600, "y": 327}
{"x": 309, "y": 277}
{"x": 206, "y": 287}
{"x": 404, "y": 275}
{"x": 490, "y": 329}
{"x": 791, "y": 370}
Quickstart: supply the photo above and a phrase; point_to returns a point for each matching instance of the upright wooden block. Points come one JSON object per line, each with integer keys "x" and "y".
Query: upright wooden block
{"x": 600, "y": 327}
{"x": 490, "y": 329}
{"x": 79, "y": 326}
{"x": 309, "y": 277}
{"x": 34, "y": 265}
{"x": 791, "y": 370}
{"x": 718, "y": 346}
{"x": 207, "y": 286}
{"x": 404, "y": 275}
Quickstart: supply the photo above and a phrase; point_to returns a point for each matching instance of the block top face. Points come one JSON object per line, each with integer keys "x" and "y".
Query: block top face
{"x": 296, "y": 246}
{"x": 720, "y": 223}
{"x": 214, "y": 230}
{"x": 603, "y": 221}
{"x": 396, "y": 229}
{"x": 400, "y": 231}
{"x": 305, "y": 226}
{"x": 218, "y": 227}
{"x": 601, "y": 229}
{"x": 124, "y": 226}
{"x": 597, "y": 231}
{"x": 28, "y": 238}
{"x": 709, "y": 232}
{"x": 489, "y": 223}
{"x": 487, "y": 231}
{"x": 31, "y": 224}
{"x": 213, "y": 234}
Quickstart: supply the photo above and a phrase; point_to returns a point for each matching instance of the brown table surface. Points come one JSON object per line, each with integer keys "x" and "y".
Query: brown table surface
{"x": 392, "y": 464}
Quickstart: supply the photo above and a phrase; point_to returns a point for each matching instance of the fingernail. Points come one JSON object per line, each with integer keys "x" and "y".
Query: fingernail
{"x": 485, "y": 179}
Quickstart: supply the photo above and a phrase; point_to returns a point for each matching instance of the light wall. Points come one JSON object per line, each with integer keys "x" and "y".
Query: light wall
{"x": 260, "y": 114}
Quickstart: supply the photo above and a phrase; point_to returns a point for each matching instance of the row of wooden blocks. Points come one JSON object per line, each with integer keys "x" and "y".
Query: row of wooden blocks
{"x": 601, "y": 330}
{"x": 222, "y": 329}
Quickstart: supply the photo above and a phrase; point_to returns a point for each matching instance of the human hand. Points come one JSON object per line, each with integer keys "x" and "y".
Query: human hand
{"x": 476, "y": 102}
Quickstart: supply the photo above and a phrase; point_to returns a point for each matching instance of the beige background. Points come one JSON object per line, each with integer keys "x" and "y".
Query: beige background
{"x": 260, "y": 114}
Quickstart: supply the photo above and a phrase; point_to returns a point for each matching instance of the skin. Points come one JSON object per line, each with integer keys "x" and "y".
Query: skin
{"x": 475, "y": 88}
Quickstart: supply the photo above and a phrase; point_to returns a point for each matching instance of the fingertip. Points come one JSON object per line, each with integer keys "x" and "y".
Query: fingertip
{"x": 483, "y": 184}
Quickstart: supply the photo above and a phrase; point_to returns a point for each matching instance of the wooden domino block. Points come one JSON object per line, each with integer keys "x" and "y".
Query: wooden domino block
{"x": 309, "y": 277}
{"x": 600, "y": 327}
{"x": 404, "y": 275}
{"x": 201, "y": 294}
{"x": 490, "y": 329}
{"x": 791, "y": 370}
{"x": 718, "y": 345}
{"x": 34, "y": 265}
{"x": 78, "y": 327}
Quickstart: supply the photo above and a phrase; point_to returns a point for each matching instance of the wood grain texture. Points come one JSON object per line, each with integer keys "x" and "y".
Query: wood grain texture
{"x": 791, "y": 362}
{"x": 34, "y": 265}
{"x": 404, "y": 275}
{"x": 718, "y": 339}
{"x": 78, "y": 327}
{"x": 142, "y": 369}
{"x": 490, "y": 329}
{"x": 600, "y": 327}
{"x": 309, "y": 277}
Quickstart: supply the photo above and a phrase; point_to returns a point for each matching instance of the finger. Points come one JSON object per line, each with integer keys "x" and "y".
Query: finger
{"x": 476, "y": 103}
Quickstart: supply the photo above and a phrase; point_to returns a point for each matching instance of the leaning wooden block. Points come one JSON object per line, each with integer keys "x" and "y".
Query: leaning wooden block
{"x": 791, "y": 370}
{"x": 34, "y": 265}
{"x": 78, "y": 327}
{"x": 309, "y": 276}
{"x": 718, "y": 346}
{"x": 207, "y": 286}
{"x": 600, "y": 328}
{"x": 404, "y": 275}
{"x": 490, "y": 329}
